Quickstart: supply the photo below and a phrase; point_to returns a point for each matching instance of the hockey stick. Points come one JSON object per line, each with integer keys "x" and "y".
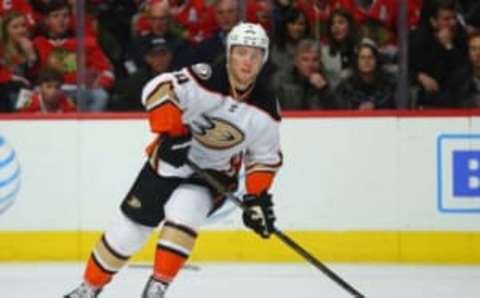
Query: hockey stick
{"x": 280, "y": 235}
{"x": 149, "y": 266}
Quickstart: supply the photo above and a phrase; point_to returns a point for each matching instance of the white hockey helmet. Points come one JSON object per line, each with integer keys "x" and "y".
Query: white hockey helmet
{"x": 248, "y": 34}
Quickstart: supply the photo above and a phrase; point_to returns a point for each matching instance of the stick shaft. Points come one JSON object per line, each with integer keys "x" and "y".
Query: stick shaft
{"x": 280, "y": 235}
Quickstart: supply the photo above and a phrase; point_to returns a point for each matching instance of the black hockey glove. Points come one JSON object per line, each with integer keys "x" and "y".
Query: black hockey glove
{"x": 259, "y": 215}
{"x": 174, "y": 150}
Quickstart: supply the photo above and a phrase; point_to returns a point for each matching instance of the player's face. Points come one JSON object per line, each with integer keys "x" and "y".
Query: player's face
{"x": 245, "y": 63}
{"x": 17, "y": 28}
{"x": 307, "y": 63}
{"x": 474, "y": 51}
{"x": 339, "y": 27}
{"x": 366, "y": 61}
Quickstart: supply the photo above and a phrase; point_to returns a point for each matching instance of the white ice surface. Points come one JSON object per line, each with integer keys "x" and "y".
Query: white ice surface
{"x": 50, "y": 280}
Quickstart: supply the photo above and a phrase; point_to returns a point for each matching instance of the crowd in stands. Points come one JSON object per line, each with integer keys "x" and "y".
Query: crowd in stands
{"x": 325, "y": 54}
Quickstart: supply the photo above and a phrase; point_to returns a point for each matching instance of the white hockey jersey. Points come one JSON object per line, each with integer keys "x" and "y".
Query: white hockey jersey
{"x": 225, "y": 131}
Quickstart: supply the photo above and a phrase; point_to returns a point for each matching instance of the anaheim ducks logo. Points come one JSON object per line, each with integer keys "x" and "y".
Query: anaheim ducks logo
{"x": 217, "y": 133}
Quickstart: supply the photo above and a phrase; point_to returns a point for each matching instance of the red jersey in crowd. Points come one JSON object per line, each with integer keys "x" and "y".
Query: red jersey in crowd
{"x": 414, "y": 11}
{"x": 5, "y": 75}
{"x": 21, "y": 6}
{"x": 318, "y": 16}
{"x": 260, "y": 11}
{"x": 194, "y": 16}
{"x": 383, "y": 13}
{"x": 61, "y": 55}
{"x": 315, "y": 13}
{"x": 191, "y": 15}
{"x": 14, "y": 65}
{"x": 36, "y": 104}
{"x": 90, "y": 23}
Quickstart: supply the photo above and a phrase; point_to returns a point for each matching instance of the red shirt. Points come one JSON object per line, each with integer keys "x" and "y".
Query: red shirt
{"x": 21, "y": 6}
{"x": 36, "y": 104}
{"x": 62, "y": 56}
{"x": 260, "y": 11}
{"x": 194, "y": 16}
{"x": 315, "y": 14}
{"x": 318, "y": 16}
{"x": 5, "y": 75}
{"x": 8, "y": 68}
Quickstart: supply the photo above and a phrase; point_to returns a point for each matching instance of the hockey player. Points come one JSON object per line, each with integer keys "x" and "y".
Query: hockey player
{"x": 219, "y": 118}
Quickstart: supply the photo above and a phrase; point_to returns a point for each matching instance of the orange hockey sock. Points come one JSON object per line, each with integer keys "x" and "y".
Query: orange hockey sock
{"x": 173, "y": 249}
{"x": 95, "y": 275}
{"x": 103, "y": 263}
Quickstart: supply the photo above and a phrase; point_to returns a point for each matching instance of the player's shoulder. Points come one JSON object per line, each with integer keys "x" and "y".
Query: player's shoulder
{"x": 214, "y": 78}
{"x": 211, "y": 77}
{"x": 156, "y": 82}
{"x": 263, "y": 97}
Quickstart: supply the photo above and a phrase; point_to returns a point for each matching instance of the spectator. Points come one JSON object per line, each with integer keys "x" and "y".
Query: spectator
{"x": 287, "y": 37}
{"x": 280, "y": 9}
{"x": 114, "y": 20}
{"x": 369, "y": 86}
{"x": 227, "y": 15}
{"x": 17, "y": 55}
{"x": 39, "y": 8}
{"x": 466, "y": 81}
{"x": 436, "y": 50}
{"x": 90, "y": 26}
{"x": 303, "y": 86}
{"x": 48, "y": 97}
{"x": 152, "y": 15}
{"x": 261, "y": 12}
{"x": 338, "y": 51}
{"x": 58, "y": 50}
{"x": 190, "y": 18}
{"x": 21, "y": 6}
{"x": 470, "y": 14}
{"x": 161, "y": 27}
{"x": 377, "y": 20}
{"x": 414, "y": 13}
{"x": 318, "y": 12}
{"x": 190, "y": 14}
{"x": 158, "y": 58}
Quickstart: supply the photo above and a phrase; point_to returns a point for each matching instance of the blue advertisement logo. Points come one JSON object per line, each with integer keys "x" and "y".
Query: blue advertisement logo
{"x": 458, "y": 173}
{"x": 9, "y": 175}
{"x": 466, "y": 174}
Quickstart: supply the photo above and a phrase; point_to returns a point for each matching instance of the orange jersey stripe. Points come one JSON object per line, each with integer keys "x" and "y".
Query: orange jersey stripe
{"x": 257, "y": 182}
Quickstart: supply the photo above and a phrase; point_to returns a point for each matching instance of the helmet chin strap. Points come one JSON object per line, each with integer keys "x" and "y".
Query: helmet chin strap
{"x": 239, "y": 91}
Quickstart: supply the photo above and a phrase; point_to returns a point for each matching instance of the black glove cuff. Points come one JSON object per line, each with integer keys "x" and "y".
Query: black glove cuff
{"x": 263, "y": 200}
